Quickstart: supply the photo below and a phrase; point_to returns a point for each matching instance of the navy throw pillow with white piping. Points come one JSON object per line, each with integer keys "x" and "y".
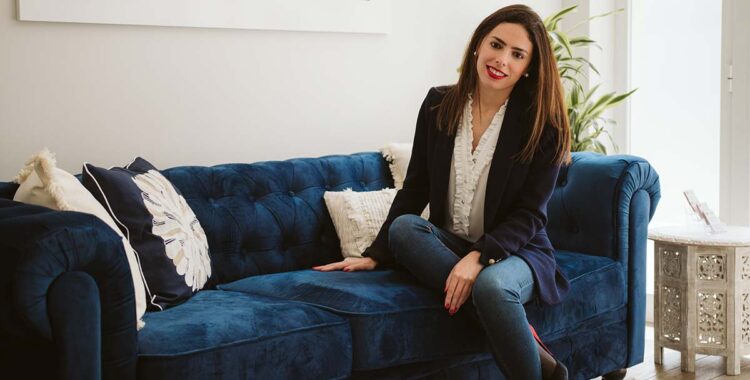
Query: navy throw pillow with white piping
{"x": 169, "y": 242}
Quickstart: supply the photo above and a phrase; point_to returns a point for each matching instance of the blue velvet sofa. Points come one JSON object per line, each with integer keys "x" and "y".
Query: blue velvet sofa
{"x": 67, "y": 297}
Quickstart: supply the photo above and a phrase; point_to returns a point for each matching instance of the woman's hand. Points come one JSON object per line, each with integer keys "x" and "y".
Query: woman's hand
{"x": 349, "y": 264}
{"x": 461, "y": 280}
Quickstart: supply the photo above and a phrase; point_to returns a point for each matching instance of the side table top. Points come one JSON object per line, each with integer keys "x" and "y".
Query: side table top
{"x": 735, "y": 236}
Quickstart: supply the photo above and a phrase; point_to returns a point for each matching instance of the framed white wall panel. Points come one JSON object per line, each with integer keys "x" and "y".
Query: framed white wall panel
{"x": 735, "y": 114}
{"x": 354, "y": 16}
{"x": 621, "y": 69}
{"x": 675, "y": 114}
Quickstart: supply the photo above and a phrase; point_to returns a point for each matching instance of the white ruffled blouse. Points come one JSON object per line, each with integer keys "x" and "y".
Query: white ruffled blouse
{"x": 468, "y": 179}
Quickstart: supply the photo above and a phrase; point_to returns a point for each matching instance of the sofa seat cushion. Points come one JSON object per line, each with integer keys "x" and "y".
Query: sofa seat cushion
{"x": 228, "y": 335}
{"x": 394, "y": 319}
{"x": 597, "y": 287}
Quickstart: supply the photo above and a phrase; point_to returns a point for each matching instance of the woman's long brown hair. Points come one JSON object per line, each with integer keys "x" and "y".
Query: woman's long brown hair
{"x": 542, "y": 87}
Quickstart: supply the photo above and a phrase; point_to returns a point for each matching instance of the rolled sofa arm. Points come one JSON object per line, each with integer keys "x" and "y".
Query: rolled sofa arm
{"x": 48, "y": 257}
{"x": 590, "y": 207}
{"x": 602, "y": 206}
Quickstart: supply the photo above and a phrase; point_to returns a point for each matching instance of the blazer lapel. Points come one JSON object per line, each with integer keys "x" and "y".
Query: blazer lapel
{"x": 508, "y": 145}
{"x": 441, "y": 175}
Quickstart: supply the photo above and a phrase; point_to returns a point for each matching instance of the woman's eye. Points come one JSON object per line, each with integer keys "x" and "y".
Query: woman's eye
{"x": 518, "y": 55}
{"x": 495, "y": 45}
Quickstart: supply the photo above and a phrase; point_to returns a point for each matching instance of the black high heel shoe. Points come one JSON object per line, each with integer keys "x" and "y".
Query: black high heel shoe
{"x": 560, "y": 372}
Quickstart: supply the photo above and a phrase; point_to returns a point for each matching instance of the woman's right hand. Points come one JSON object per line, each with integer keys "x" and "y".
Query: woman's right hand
{"x": 349, "y": 264}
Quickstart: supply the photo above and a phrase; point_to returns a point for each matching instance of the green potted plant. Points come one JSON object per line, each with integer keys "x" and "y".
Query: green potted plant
{"x": 585, "y": 107}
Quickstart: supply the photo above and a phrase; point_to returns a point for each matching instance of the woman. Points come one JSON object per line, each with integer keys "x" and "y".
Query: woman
{"x": 486, "y": 155}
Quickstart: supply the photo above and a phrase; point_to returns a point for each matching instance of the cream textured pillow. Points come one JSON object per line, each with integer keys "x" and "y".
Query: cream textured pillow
{"x": 358, "y": 217}
{"x": 43, "y": 184}
{"x": 398, "y": 156}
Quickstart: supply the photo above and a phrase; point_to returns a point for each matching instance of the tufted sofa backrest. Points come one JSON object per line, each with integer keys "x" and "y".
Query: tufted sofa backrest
{"x": 270, "y": 217}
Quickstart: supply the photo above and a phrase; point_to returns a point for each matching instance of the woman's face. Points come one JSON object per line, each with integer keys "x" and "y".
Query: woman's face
{"x": 503, "y": 57}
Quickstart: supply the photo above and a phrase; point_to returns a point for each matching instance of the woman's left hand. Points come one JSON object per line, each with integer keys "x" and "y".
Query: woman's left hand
{"x": 461, "y": 280}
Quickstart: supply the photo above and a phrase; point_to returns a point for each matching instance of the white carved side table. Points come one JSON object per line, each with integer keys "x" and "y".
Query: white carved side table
{"x": 702, "y": 294}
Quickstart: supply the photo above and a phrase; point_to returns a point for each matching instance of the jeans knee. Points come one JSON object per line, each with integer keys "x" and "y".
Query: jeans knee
{"x": 401, "y": 232}
{"x": 401, "y": 228}
{"x": 493, "y": 290}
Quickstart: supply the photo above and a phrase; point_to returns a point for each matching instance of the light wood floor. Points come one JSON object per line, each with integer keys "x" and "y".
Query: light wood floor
{"x": 706, "y": 367}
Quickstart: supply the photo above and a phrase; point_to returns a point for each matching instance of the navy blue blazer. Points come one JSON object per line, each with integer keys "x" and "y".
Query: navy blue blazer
{"x": 515, "y": 209}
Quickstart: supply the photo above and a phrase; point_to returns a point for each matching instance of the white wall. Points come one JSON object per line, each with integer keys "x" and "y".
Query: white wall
{"x": 179, "y": 96}
{"x": 675, "y": 114}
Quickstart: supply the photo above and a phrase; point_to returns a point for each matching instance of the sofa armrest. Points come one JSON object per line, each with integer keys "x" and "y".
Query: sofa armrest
{"x": 50, "y": 254}
{"x": 589, "y": 211}
{"x": 602, "y": 206}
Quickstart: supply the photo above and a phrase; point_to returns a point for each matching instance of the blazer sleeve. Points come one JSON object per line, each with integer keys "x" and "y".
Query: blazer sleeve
{"x": 414, "y": 195}
{"x": 528, "y": 214}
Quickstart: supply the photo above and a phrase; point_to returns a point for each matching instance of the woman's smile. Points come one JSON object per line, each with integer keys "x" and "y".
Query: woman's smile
{"x": 495, "y": 73}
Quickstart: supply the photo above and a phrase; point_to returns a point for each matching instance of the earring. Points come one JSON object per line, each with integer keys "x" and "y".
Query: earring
{"x": 526, "y": 75}
{"x": 475, "y": 53}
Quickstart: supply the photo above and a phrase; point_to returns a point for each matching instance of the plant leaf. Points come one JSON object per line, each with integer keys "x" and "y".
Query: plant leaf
{"x": 581, "y": 41}
{"x": 584, "y": 107}
{"x": 551, "y": 22}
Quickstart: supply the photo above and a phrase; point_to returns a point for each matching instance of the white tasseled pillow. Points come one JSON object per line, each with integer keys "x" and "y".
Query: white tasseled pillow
{"x": 358, "y": 217}
{"x": 398, "y": 156}
{"x": 43, "y": 184}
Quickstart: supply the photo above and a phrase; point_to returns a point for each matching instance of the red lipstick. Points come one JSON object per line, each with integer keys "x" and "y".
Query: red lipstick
{"x": 493, "y": 75}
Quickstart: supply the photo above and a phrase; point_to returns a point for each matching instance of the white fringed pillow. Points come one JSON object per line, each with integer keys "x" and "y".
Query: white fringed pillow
{"x": 398, "y": 155}
{"x": 42, "y": 183}
{"x": 358, "y": 217}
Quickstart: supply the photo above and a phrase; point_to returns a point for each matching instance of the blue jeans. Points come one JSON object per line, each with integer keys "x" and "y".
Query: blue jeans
{"x": 498, "y": 294}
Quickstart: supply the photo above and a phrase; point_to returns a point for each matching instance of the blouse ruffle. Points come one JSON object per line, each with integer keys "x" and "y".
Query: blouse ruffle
{"x": 470, "y": 165}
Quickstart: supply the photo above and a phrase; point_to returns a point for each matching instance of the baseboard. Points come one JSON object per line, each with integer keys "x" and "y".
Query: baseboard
{"x": 649, "y": 308}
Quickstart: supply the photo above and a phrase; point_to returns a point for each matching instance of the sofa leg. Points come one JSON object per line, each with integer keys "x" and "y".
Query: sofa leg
{"x": 616, "y": 374}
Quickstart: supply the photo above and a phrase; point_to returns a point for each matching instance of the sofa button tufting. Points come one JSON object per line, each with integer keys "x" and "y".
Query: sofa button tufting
{"x": 291, "y": 193}
{"x": 363, "y": 184}
{"x": 328, "y": 187}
